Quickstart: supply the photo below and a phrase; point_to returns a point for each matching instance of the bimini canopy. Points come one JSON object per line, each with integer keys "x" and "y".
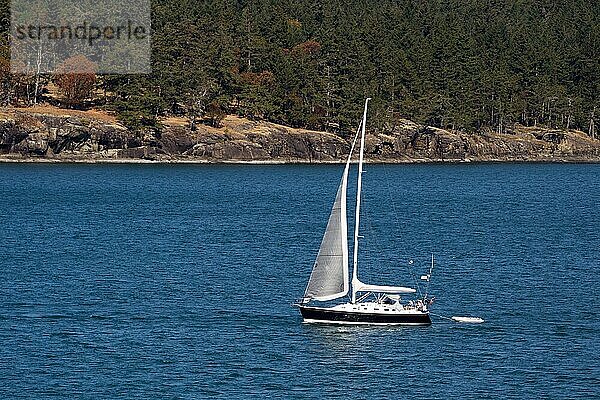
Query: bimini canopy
{"x": 363, "y": 287}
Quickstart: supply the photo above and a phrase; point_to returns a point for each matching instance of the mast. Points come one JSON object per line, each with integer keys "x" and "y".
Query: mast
{"x": 357, "y": 214}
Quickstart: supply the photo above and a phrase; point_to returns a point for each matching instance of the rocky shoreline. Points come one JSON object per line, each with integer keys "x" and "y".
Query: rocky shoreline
{"x": 54, "y": 135}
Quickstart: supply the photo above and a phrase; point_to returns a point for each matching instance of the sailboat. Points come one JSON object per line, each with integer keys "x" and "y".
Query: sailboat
{"x": 329, "y": 280}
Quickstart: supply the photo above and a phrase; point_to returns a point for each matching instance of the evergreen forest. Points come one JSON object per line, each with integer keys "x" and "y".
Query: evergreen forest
{"x": 468, "y": 65}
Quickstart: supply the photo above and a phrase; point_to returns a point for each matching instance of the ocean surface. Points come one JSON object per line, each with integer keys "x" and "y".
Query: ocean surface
{"x": 176, "y": 282}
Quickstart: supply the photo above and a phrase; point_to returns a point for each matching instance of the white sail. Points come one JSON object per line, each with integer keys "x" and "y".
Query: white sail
{"x": 329, "y": 277}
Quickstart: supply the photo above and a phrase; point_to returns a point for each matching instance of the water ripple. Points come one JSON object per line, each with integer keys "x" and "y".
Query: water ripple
{"x": 176, "y": 282}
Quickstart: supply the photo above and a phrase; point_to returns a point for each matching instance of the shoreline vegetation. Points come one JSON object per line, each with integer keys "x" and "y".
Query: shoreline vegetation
{"x": 290, "y": 162}
{"x": 277, "y": 80}
{"x": 48, "y": 134}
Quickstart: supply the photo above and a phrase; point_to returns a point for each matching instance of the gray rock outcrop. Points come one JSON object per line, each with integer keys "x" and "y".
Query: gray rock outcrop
{"x": 29, "y": 135}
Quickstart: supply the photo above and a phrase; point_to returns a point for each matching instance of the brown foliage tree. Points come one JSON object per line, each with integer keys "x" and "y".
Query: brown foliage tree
{"x": 76, "y": 79}
{"x": 264, "y": 78}
{"x": 215, "y": 114}
{"x": 308, "y": 48}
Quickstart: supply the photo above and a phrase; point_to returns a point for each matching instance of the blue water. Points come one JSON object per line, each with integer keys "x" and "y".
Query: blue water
{"x": 169, "y": 282}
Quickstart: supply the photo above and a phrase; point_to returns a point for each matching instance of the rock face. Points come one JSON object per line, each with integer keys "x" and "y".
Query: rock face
{"x": 42, "y": 135}
{"x": 31, "y": 136}
{"x": 410, "y": 141}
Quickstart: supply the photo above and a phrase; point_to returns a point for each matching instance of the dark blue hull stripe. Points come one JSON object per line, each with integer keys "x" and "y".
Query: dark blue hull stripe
{"x": 327, "y": 315}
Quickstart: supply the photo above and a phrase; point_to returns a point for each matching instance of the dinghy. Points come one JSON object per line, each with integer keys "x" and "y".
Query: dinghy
{"x": 468, "y": 320}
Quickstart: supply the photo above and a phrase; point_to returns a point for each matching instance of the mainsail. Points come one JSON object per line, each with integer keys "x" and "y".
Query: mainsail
{"x": 329, "y": 277}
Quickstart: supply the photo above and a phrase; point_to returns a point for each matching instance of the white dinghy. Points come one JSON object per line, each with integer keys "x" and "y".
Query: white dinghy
{"x": 468, "y": 320}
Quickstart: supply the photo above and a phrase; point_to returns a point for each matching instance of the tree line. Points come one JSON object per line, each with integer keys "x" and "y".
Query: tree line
{"x": 459, "y": 64}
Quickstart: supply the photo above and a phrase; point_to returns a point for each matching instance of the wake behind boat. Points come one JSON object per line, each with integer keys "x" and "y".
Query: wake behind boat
{"x": 329, "y": 279}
